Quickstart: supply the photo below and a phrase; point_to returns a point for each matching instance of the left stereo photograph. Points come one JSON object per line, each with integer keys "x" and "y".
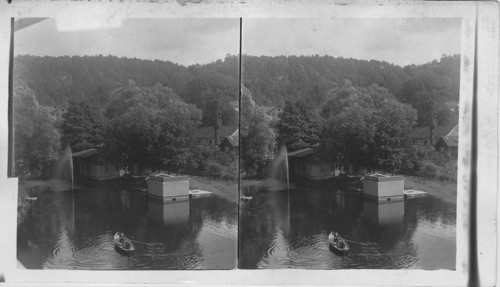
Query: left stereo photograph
{"x": 125, "y": 137}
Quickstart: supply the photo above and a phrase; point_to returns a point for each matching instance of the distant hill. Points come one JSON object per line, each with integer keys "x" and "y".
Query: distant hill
{"x": 275, "y": 79}
{"x": 272, "y": 80}
{"x": 57, "y": 80}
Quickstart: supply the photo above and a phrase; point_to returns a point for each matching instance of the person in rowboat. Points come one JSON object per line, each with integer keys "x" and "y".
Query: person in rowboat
{"x": 122, "y": 239}
{"x": 336, "y": 238}
{"x": 126, "y": 245}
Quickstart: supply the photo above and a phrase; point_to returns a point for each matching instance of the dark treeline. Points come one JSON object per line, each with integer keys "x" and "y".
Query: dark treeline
{"x": 272, "y": 80}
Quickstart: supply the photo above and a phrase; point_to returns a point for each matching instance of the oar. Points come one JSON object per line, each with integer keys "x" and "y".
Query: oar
{"x": 148, "y": 244}
{"x": 364, "y": 244}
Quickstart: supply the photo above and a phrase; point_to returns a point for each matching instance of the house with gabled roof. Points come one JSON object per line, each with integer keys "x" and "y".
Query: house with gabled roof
{"x": 422, "y": 135}
{"x": 230, "y": 143}
{"x": 206, "y": 135}
{"x": 448, "y": 144}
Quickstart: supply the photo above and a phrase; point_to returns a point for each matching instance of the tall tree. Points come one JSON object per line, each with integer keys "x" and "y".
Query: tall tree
{"x": 36, "y": 138}
{"x": 366, "y": 127}
{"x": 257, "y": 139}
{"x": 297, "y": 126}
{"x": 82, "y": 127}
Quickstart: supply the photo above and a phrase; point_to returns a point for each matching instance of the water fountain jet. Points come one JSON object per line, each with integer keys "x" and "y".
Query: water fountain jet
{"x": 279, "y": 166}
{"x": 63, "y": 169}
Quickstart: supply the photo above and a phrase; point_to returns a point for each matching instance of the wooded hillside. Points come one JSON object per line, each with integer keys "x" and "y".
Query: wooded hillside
{"x": 271, "y": 80}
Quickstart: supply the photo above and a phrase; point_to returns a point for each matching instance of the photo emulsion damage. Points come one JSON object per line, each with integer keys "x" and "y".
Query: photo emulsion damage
{"x": 126, "y": 144}
{"x": 137, "y": 147}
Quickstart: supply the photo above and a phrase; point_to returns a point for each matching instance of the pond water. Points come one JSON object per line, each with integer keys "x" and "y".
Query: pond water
{"x": 74, "y": 230}
{"x": 280, "y": 229}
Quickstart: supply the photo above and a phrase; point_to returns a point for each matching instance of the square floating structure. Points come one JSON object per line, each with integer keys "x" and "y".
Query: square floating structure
{"x": 384, "y": 187}
{"x": 168, "y": 188}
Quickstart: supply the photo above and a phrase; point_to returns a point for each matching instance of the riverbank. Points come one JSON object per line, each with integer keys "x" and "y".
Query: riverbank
{"x": 445, "y": 190}
{"x": 29, "y": 189}
{"x": 224, "y": 188}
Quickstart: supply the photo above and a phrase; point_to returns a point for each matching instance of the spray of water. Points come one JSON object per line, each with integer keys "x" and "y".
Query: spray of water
{"x": 284, "y": 159}
{"x": 278, "y": 168}
{"x": 63, "y": 169}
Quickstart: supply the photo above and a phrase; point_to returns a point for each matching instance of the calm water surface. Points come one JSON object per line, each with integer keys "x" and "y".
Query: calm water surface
{"x": 290, "y": 230}
{"x": 74, "y": 230}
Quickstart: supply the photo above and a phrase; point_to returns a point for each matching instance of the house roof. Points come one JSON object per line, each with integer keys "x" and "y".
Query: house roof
{"x": 303, "y": 152}
{"x": 233, "y": 140}
{"x": 87, "y": 153}
{"x": 450, "y": 141}
{"x": 208, "y": 132}
{"x": 425, "y": 132}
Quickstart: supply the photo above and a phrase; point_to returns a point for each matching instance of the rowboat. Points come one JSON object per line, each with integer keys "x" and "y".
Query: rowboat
{"x": 337, "y": 243}
{"x": 125, "y": 245}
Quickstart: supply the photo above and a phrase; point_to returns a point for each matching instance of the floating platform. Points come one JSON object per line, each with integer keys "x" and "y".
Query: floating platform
{"x": 197, "y": 193}
{"x": 168, "y": 188}
{"x": 383, "y": 188}
{"x": 413, "y": 193}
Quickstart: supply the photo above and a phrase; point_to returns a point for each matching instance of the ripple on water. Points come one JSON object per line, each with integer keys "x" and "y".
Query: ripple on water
{"x": 301, "y": 252}
{"x": 89, "y": 252}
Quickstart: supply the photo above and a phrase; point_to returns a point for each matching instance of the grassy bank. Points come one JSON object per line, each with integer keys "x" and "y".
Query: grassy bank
{"x": 227, "y": 189}
{"x": 445, "y": 190}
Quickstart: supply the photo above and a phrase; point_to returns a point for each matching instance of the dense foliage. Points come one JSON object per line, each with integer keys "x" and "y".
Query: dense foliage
{"x": 298, "y": 126}
{"x": 151, "y": 127}
{"x": 82, "y": 127}
{"x": 366, "y": 127}
{"x": 272, "y": 80}
{"x": 257, "y": 139}
{"x": 144, "y": 112}
{"x": 36, "y": 138}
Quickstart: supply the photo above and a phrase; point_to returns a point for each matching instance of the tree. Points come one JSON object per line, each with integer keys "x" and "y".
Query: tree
{"x": 82, "y": 127}
{"x": 151, "y": 127}
{"x": 257, "y": 139}
{"x": 366, "y": 127}
{"x": 297, "y": 126}
{"x": 36, "y": 138}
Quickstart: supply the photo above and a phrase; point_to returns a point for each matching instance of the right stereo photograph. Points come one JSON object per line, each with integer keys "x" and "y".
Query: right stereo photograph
{"x": 349, "y": 143}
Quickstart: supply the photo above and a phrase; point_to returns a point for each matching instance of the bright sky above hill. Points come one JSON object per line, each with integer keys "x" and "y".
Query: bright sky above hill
{"x": 192, "y": 41}
{"x": 182, "y": 41}
{"x": 398, "y": 41}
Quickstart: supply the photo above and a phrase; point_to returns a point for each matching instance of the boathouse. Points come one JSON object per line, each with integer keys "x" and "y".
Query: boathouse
{"x": 310, "y": 164}
{"x": 91, "y": 164}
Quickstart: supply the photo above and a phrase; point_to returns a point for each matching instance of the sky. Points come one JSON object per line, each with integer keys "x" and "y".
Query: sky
{"x": 398, "y": 41}
{"x": 200, "y": 41}
{"x": 182, "y": 41}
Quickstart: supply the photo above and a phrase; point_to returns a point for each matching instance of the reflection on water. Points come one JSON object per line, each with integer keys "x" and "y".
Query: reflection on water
{"x": 172, "y": 213}
{"x": 384, "y": 213}
{"x": 290, "y": 230}
{"x": 74, "y": 230}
